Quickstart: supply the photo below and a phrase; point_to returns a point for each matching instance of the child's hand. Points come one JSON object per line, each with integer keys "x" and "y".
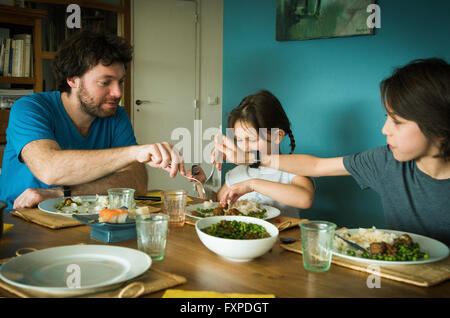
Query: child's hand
{"x": 237, "y": 190}
{"x": 200, "y": 175}
{"x": 226, "y": 149}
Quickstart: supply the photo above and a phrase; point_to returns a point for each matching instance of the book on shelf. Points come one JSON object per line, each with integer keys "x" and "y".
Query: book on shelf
{"x": 4, "y": 34}
{"x": 17, "y": 64}
{"x": 16, "y": 56}
{"x": 7, "y": 44}
{"x": 26, "y": 54}
{"x": 15, "y": 91}
{"x": 9, "y": 96}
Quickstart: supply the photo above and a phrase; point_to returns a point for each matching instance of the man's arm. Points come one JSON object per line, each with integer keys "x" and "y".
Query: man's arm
{"x": 133, "y": 176}
{"x": 54, "y": 166}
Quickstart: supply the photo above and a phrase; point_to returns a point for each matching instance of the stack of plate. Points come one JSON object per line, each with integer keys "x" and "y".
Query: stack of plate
{"x": 74, "y": 270}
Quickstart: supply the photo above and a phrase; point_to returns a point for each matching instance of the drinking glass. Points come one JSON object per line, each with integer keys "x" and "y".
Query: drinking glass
{"x": 152, "y": 234}
{"x": 317, "y": 244}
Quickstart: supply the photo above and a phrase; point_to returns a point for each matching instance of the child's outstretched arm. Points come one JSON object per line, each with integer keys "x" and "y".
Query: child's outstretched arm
{"x": 306, "y": 165}
{"x": 299, "y": 194}
{"x": 301, "y": 165}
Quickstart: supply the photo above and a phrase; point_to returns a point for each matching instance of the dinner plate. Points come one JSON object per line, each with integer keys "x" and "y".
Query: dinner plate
{"x": 435, "y": 249}
{"x": 272, "y": 212}
{"x": 92, "y": 220}
{"x": 50, "y": 204}
{"x": 75, "y": 269}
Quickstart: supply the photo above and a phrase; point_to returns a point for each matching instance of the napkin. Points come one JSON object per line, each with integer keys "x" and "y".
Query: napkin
{"x": 53, "y": 221}
{"x": 178, "y": 293}
{"x": 7, "y": 227}
{"x": 286, "y": 222}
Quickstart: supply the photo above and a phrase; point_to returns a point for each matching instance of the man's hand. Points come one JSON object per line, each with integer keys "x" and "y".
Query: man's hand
{"x": 30, "y": 198}
{"x": 162, "y": 155}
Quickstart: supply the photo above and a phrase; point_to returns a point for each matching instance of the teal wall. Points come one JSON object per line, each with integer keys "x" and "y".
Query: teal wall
{"x": 330, "y": 87}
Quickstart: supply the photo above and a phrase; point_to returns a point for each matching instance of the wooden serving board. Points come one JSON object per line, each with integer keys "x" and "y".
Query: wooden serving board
{"x": 423, "y": 275}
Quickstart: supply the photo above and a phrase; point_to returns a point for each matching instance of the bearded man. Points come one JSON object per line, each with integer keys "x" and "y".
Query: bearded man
{"x": 78, "y": 140}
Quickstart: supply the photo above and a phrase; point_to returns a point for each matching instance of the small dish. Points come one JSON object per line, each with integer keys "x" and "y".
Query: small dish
{"x": 108, "y": 232}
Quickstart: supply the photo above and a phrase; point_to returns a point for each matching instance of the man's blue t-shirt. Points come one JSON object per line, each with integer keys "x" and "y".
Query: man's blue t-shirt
{"x": 412, "y": 201}
{"x": 43, "y": 116}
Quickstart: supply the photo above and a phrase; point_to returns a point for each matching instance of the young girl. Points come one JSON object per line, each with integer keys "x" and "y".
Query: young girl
{"x": 411, "y": 173}
{"x": 283, "y": 190}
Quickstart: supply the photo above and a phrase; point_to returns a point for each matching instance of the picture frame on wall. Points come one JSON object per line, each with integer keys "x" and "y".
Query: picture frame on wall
{"x": 298, "y": 20}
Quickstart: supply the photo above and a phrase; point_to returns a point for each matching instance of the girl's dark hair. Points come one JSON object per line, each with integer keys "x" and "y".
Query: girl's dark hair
{"x": 85, "y": 50}
{"x": 262, "y": 110}
{"x": 420, "y": 92}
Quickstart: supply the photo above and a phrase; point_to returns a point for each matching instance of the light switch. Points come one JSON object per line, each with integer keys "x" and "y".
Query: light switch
{"x": 213, "y": 100}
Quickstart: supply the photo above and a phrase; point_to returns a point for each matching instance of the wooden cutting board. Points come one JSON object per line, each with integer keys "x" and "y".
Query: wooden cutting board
{"x": 423, "y": 275}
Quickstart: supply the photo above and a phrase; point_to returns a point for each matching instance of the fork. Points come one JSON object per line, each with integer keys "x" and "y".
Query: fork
{"x": 203, "y": 194}
{"x": 209, "y": 183}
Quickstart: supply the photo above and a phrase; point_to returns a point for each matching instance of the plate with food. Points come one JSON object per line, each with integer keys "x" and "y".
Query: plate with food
{"x": 108, "y": 218}
{"x": 388, "y": 247}
{"x": 241, "y": 208}
{"x": 82, "y": 205}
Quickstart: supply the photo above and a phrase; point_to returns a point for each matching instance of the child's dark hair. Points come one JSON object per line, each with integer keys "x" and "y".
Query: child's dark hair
{"x": 85, "y": 50}
{"x": 420, "y": 92}
{"x": 262, "y": 110}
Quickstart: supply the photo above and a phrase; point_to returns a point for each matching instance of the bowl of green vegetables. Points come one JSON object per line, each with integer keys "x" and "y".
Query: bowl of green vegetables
{"x": 237, "y": 238}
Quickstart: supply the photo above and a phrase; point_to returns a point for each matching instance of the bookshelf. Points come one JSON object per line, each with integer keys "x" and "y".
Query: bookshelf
{"x": 18, "y": 21}
{"x": 24, "y": 20}
{"x": 45, "y": 20}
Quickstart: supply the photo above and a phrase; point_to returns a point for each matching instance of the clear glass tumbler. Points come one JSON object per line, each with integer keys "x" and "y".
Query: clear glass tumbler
{"x": 174, "y": 205}
{"x": 317, "y": 244}
{"x": 152, "y": 235}
{"x": 121, "y": 198}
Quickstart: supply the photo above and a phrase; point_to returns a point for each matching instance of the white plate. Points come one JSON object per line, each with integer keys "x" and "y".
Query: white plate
{"x": 271, "y": 211}
{"x": 101, "y": 267}
{"x": 50, "y": 204}
{"x": 435, "y": 249}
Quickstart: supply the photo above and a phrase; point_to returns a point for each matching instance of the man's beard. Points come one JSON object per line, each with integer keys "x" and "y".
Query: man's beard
{"x": 94, "y": 109}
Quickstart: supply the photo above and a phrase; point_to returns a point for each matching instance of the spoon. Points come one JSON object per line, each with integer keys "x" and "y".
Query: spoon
{"x": 352, "y": 244}
{"x": 288, "y": 239}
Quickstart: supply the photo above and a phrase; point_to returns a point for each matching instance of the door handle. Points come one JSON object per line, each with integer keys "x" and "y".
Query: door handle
{"x": 139, "y": 102}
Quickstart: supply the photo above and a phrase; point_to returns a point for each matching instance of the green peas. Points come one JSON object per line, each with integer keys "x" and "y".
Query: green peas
{"x": 236, "y": 230}
{"x": 351, "y": 253}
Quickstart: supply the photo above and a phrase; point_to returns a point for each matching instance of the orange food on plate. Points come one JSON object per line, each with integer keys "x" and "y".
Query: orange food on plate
{"x": 113, "y": 215}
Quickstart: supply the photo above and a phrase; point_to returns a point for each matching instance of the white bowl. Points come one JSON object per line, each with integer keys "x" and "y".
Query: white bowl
{"x": 237, "y": 250}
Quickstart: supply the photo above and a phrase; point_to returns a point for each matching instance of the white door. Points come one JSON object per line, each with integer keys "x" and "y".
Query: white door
{"x": 164, "y": 77}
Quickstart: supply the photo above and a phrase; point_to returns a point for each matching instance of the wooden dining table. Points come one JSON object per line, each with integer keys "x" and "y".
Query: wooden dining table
{"x": 278, "y": 272}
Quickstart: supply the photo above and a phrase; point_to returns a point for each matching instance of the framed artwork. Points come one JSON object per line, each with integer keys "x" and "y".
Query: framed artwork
{"x": 313, "y": 19}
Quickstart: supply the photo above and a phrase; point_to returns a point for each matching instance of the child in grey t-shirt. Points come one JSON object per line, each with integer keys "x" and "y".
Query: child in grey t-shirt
{"x": 411, "y": 173}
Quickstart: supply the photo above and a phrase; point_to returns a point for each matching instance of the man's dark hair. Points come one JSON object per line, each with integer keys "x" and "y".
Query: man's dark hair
{"x": 420, "y": 92}
{"x": 85, "y": 50}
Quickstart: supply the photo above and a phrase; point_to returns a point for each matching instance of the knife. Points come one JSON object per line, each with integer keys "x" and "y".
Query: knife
{"x": 352, "y": 244}
{"x": 146, "y": 197}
